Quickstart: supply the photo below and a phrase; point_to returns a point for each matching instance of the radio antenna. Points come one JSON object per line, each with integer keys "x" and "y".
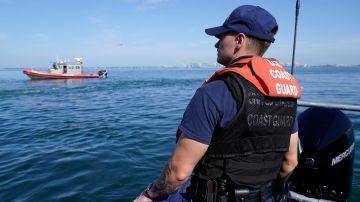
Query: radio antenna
{"x": 294, "y": 44}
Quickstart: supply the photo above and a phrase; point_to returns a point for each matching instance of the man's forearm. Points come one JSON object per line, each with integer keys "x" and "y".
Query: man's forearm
{"x": 290, "y": 160}
{"x": 287, "y": 168}
{"x": 177, "y": 171}
{"x": 166, "y": 183}
{"x": 284, "y": 176}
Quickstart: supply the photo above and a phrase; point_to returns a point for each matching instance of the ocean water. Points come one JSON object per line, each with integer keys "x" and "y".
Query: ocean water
{"x": 106, "y": 139}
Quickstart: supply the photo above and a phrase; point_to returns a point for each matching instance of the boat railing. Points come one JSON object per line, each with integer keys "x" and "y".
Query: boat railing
{"x": 330, "y": 105}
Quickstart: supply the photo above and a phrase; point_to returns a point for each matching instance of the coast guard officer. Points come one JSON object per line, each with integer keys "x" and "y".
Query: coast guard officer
{"x": 238, "y": 133}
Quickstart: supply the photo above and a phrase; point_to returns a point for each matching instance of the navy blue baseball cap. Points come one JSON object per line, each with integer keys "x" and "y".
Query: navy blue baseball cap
{"x": 253, "y": 21}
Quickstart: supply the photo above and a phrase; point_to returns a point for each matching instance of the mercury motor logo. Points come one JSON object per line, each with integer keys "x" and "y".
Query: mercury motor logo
{"x": 343, "y": 155}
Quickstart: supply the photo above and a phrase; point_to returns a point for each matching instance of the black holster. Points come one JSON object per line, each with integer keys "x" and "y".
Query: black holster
{"x": 215, "y": 190}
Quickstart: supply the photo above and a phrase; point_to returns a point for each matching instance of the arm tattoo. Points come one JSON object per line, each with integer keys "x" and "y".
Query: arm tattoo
{"x": 161, "y": 186}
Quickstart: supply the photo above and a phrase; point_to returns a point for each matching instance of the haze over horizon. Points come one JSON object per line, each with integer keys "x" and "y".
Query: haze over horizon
{"x": 166, "y": 32}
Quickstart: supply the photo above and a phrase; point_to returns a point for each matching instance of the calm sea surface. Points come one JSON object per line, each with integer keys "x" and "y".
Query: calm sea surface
{"x": 106, "y": 139}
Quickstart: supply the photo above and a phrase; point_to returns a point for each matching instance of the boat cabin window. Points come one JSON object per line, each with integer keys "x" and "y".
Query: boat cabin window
{"x": 54, "y": 65}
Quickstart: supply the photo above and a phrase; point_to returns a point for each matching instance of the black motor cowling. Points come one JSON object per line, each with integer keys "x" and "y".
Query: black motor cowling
{"x": 103, "y": 73}
{"x": 325, "y": 166}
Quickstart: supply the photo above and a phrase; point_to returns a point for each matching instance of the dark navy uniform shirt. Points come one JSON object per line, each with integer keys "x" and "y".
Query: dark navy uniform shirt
{"x": 212, "y": 105}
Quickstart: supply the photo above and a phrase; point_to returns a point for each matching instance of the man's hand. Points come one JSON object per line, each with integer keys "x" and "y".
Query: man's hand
{"x": 187, "y": 154}
{"x": 142, "y": 198}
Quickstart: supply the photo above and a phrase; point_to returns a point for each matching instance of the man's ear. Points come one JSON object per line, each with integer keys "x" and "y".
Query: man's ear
{"x": 240, "y": 38}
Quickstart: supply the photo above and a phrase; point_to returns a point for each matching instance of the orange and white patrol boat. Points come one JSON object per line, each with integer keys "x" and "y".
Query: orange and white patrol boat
{"x": 64, "y": 70}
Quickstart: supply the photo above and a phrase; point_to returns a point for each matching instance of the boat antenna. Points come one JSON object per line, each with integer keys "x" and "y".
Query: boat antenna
{"x": 294, "y": 44}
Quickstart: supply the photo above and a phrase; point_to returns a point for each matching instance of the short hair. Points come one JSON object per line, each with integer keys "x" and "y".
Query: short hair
{"x": 260, "y": 46}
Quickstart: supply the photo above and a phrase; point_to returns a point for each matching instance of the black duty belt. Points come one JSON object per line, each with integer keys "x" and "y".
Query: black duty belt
{"x": 253, "y": 195}
{"x": 219, "y": 191}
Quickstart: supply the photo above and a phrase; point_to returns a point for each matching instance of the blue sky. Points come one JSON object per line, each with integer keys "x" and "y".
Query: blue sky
{"x": 166, "y": 32}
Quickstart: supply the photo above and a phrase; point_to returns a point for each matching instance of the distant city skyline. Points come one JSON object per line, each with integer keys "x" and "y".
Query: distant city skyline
{"x": 121, "y": 33}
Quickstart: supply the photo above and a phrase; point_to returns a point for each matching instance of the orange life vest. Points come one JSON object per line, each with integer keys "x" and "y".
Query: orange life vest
{"x": 267, "y": 74}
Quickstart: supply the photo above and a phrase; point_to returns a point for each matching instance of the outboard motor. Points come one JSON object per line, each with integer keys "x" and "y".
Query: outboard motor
{"x": 102, "y": 73}
{"x": 325, "y": 165}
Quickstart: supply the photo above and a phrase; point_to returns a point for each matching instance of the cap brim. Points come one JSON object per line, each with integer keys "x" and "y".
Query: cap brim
{"x": 216, "y": 30}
